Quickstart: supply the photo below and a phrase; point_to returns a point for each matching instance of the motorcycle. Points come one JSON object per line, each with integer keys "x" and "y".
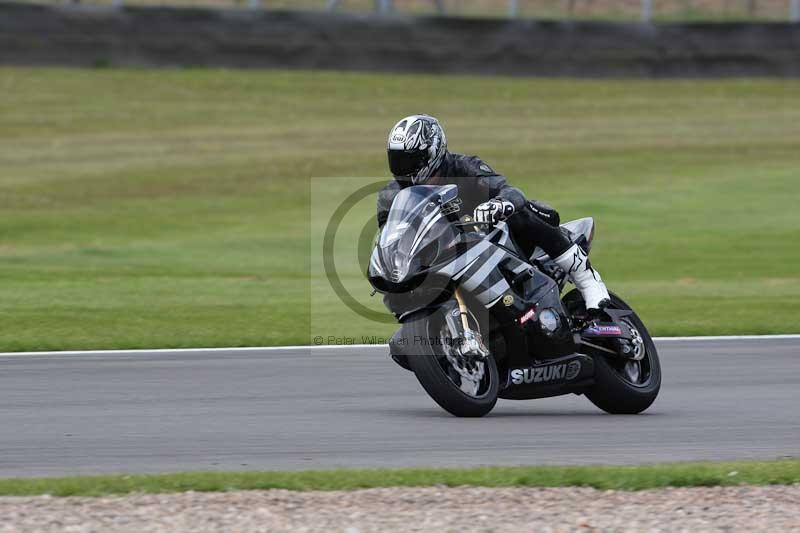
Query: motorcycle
{"x": 480, "y": 321}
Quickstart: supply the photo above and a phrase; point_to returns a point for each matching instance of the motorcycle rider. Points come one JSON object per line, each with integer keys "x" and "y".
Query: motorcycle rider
{"x": 417, "y": 151}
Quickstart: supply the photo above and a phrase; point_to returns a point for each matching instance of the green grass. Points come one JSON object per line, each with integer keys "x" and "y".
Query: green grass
{"x": 718, "y": 11}
{"x": 782, "y": 472}
{"x": 173, "y": 208}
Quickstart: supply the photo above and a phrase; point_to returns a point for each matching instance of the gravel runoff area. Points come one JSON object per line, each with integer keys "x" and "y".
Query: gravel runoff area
{"x": 740, "y": 508}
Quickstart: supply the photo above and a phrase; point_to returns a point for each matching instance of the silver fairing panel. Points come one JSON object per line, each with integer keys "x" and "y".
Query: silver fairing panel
{"x": 477, "y": 269}
{"x": 478, "y": 273}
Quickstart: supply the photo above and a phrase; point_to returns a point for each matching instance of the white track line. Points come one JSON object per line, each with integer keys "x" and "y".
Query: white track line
{"x": 342, "y": 347}
{"x": 728, "y": 338}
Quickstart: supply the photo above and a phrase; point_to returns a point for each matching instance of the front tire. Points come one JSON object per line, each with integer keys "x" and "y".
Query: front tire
{"x": 438, "y": 377}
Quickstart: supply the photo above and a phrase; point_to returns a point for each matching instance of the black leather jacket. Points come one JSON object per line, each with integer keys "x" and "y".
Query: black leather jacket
{"x": 477, "y": 183}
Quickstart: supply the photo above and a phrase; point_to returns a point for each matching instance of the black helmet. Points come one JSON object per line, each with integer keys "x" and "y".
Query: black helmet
{"x": 416, "y": 148}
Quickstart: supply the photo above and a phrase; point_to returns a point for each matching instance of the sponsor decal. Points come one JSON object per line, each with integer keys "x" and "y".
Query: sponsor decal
{"x": 486, "y": 168}
{"x": 605, "y": 330}
{"x": 398, "y": 138}
{"x": 543, "y": 374}
{"x": 530, "y": 314}
{"x": 508, "y": 300}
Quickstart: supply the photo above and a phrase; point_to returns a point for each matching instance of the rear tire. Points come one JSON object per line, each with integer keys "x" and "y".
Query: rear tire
{"x": 613, "y": 391}
{"x": 427, "y": 364}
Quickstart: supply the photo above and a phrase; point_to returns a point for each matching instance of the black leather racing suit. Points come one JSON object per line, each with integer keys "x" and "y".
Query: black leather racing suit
{"x": 532, "y": 224}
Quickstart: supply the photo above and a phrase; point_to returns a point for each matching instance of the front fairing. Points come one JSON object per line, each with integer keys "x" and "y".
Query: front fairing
{"x": 416, "y": 235}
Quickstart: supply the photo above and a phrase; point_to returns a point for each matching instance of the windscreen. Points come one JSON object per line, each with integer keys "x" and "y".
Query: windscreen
{"x": 409, "y": 207}
{"x": 415, "y": 231}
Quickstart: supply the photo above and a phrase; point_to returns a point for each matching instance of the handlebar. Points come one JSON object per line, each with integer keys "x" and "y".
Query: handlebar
{"x": 475, "y": 226}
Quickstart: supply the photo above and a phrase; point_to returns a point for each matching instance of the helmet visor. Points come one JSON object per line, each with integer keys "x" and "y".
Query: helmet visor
{"x": 407, "y": 163}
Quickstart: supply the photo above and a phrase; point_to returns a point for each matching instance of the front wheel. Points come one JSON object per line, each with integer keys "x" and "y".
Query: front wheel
{"x": 462, "y": 387}
{"x": 626, "y": 386}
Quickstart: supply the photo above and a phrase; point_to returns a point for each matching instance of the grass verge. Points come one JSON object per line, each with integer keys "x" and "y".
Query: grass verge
{"x": 780, "y": 472}
{"x": 178, "y": 207}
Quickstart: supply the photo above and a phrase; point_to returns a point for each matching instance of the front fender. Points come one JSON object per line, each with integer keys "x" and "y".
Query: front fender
{"x": 402, "y": 344}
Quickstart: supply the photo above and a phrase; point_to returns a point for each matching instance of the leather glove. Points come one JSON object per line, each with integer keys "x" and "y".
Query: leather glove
{"x": 493, "y": 211}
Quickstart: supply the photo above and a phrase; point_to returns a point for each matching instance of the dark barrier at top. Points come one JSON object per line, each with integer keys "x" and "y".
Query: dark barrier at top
{"x": 87, "y": 36}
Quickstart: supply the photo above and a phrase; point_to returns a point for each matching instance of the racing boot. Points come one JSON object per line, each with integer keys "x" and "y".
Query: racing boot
{"x": 576, "y": 264}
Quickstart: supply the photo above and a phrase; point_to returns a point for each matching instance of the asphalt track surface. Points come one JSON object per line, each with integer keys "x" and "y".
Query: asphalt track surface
{"x": 314, "y": 409}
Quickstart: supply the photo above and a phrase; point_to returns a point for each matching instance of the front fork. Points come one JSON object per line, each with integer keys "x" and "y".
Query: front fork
{"x": 470, "y": 342}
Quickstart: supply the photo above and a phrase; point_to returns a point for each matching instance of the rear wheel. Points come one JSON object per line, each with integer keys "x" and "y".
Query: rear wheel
{"x": 464, "y": 387}
{"x": 626, "y": 385}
